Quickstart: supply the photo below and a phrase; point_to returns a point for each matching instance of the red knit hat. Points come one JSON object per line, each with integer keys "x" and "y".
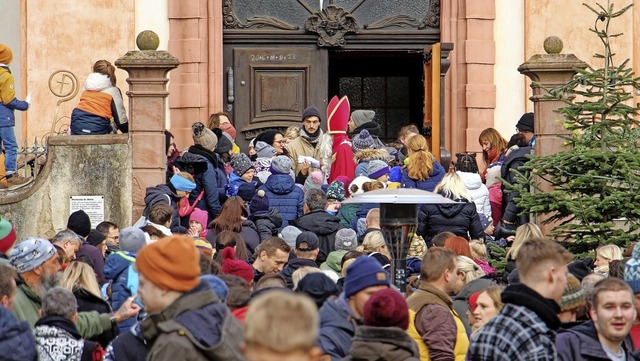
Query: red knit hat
{"x": 473, "y": 300}
{"x": 236, "y": 267}
{"x": 338, "y": 113}
{"x": 386, "y": 308}
{"x": 7, "y": 235}
{"x": 171, "y": 263}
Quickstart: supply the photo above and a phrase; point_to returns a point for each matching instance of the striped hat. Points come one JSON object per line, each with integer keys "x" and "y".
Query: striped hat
{"x": 7, "y": 235}
{"x": 632, "y": 270}
{"x": 204, "y": 246}
{"x": 573, "y": 296}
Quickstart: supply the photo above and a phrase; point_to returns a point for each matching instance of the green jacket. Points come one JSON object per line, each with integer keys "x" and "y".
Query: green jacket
{"x": 347, "y": 212}
{"x": 334, "y": 262}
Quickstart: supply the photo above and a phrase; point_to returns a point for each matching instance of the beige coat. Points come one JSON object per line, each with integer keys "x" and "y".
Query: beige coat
{"x": 301, "y": 146}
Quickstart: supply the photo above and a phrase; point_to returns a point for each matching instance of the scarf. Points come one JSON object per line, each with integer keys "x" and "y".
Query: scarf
{"x": 311, "y": 138}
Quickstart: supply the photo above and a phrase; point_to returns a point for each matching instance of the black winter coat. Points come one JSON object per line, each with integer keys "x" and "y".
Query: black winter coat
{"x": 164, "y": 193}
{"x": 459, "y": 218}
{"x": 249, "y": 235}
{"x": 292, "y": 266}
{"x": 267, "y": 223}
{"x": 89, "y": 302}
{"x": 516, "y": 158}
{"x": 325, "y": 226}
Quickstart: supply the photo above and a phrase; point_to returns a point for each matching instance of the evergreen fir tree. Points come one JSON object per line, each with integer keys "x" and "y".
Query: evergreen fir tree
{"x": 595, "y": 182}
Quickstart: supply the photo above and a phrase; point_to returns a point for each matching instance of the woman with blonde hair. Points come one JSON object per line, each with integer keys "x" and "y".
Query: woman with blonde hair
{"x": 80, "y": 279}
{"x": 488, "y": 305}
{"x": 523, "y": 233}
{"x": 374, "y": 245}
{"x": 604, "y": 255}
{"x": 460, "y": 218}
{"x": 422, "y": 170}
{"x": 473, "y": 280}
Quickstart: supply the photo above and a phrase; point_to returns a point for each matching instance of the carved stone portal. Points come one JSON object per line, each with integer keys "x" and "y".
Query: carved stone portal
{"x": 331, "y": 24}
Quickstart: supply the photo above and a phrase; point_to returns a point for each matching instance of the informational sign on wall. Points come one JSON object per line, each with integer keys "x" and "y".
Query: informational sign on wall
{"x": 93, "y": 206}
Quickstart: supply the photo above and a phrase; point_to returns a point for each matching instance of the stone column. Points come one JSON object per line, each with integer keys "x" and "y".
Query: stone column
{"x": 548, "y": 71}
{"x": 147, "y": 93}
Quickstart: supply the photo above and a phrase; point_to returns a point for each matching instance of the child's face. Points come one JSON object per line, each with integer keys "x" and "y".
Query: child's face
{"x": 196, "y": 225}
{"x": 248, "y": 175}
{"x": 384, "y": 178}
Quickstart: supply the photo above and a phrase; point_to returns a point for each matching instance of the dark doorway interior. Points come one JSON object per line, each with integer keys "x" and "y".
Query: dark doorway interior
{"x": 389, "y": 83}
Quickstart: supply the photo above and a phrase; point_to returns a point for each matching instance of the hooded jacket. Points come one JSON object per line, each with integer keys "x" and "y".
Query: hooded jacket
{"x": 581, "y": 343}
{"x": 96, "y": 107}
{"x": 87, "y": 301}
{"x": 382, "y": 343}
{"x": 428, "y": 184}
{"x": 292, "y": 266}
{"x": 124, "y": 282}
{"x": 337, "y": 328}
{"x": 8, "y": 100}
{"x": 206, "y": 181}
{"x": 459, "y": 218}
{"x": 285, "y": 196}
{"x": 164, "y": 193}
{"x": 197, "y": 326}
{"x": 16, "y": 340}
{"x": 461, "y": 300}
{"x": 334, "y": 262}
{"x": 363, "y": 157}
{"x": 267, "y": 223}
{"x": 325, "y": 226}
{"x": 478, "y": 191}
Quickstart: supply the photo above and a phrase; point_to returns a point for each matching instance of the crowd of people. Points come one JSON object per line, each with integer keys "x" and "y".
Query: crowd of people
{"x": 253, "y": 256}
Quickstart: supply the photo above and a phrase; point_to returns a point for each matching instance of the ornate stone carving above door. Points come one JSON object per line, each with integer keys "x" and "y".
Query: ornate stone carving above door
{"x": 331, "y": 24}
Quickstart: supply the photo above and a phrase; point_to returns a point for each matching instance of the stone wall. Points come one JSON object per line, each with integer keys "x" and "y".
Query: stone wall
{"x": 76, "y": 166}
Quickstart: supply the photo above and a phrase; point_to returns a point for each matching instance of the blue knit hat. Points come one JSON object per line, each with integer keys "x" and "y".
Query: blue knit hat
{"x": 182, "y": 184}
{"x": 363, "y": 273}
{"x": 632, "y": 270}
{"x": 395, "y": 175}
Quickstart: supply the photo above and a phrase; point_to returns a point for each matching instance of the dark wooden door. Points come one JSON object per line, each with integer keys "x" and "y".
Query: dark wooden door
{"x": 273, "y": 86}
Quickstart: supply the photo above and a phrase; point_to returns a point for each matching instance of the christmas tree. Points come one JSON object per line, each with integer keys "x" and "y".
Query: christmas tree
{"x": 594, "y": 195}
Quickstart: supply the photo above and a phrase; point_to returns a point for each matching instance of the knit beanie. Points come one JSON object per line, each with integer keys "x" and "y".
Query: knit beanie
{"x": 386, "y": 308}
{"x": 346, "y": 239}
{"x": 345, "y": 181}
{"x": 201, "y": 216}
{"x": 7, "y": 235}
{"x": 224, "y": 143}
{"x": 362, "y": 116}
{"x": 473, "y": 300}
{"x": 80, "y": 223}
{"x": 395, "y": 174}
{"x": 525, "y": 123}
{"x": 632, "y": 270}
{"x": 203, "y": 246}
{"x": 311, "y": 112}
{"x": 264, "y": 150}
{"x": 315, "y": 180}
{"x": 364, "y": 272}
{"x": 281, "y": 165}
{"x": 268, "y": 136}
{"x": 204, "y": 137}
{"x": 336, "y": 191}
{"x": 132, "y": 239}
{"x": 236, "y": 267}
{"x": 362, "y": 141}
{"x": 216, "y": 284}
{"x": 377, "y": 169}
{"x": 290, "y": 234}
{"x": 6, "y": 55}
{"x": 95, "y": 238}
{"x": 259, "y": 202}
{"x": 240, "y": 164}
{"x": 171, "y": 263}
{"x": 31, "y": 254}
{"x": 573, "y": 296}
{"x": 246, "y": 191}
{"x": 182, "y": 184}
{"x": 318, "y": 286}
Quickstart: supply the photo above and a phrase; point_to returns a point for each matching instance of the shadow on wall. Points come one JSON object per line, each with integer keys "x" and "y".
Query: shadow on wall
{"x": 79, "y": 165}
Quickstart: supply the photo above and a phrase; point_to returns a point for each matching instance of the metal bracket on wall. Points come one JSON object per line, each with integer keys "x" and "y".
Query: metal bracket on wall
{"x": 230, "y": 91}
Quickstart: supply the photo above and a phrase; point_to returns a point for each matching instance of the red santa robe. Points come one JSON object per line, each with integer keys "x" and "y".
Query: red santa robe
{"x": 342, "y": 162}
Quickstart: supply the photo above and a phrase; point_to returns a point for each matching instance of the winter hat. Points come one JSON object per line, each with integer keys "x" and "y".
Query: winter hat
{"x": 216, "y": 284}
{"x": 246, "y": 191}
{"x": 204, "y": 137}
{"x": 132, "y": 239}
{"x": 346, "y": 239}
{"x": 311, "y": 112}
{"x": 259, "y": 202}
{"x": 95, "y": 238}
{"x": 473, "y": 300}
{"x": 171, "y": 263}
{"x": 338, "y": 115}
{"x": 345, "y": 180}
{"x": 418, "y": 247}
{"x": 315, "y": 180}
{"x": 364, "y": 272}
{"x": 573, "y": 296}
{"x": 281, "y": 165}
{"x": 7, "y": 235}
{"x": 199, "y": 215}
{"x": 395, "y": 174}
{"x": 204, "y": 246}
{"x": 268, "y": 136}
{"x": 182, "y": 184}
{"x": 80, "y": 223}
{"x": 362, "y": 116}
{"x": 264, "y": 150}
{"x": 525, "y": 123}
{"x": 31, "y": 254}
{"x": 224, "y": 143}
{"x": 311, "y": 240}
{"x": 377, "y": 169}
{"x": 362, "y": 141}
{"x": 336, "y": 191}
{"x": 632, "y": 270}
{"x": 6, "y": 55}
{"x": 241, "y": 164}
{"x": 355, "y": 187}
{"x": 318, "y": 286}
{"x": 290, "y": 234}
{"x": 386, "y": 308}
{"x": 236, "y": 267}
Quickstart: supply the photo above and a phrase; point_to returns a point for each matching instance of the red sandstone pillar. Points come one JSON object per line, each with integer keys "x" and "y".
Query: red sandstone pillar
{"x": 148, "y": 94}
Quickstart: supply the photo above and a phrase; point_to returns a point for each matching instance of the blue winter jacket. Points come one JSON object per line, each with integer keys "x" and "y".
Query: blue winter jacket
{"x": 124, "y": 282}
{"x": 16, "y": 340}
{"x": 428, "y": 184}
{"x": 284, "y": 195}
{"x": 337, "y": 328}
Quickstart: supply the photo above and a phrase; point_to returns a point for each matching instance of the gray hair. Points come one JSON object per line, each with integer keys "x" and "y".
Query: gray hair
{"x": 64, "y": 235}
{"x": 315, "y": 199}
{"x": 59, "y": 301}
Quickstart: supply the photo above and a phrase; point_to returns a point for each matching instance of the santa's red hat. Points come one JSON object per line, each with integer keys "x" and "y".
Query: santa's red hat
{"x": 338, "y": 113}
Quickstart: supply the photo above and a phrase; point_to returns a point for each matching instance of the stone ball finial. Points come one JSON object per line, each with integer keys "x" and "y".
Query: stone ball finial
{"x": 147, "y": 40}
{"x": 553, "y": 45}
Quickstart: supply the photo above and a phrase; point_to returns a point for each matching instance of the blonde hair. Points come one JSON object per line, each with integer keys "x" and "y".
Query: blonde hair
{"x": 292, "y": 132}
{"x": 373, "y": 241}
{"x": 494, "y": 292}
{"x": 299, "y": 274}
{"x": 478, "y": 249}
{"x": 282, "y": 322}
{"x": 421, "y": 160}
{"x": 609, "y": 252}
{"x": 523, "y": 233}
{"x": 536, "y": 252}
{"x": 452, "y": 187}
{"x": 80, "y": 275}
{"x": 471, "y": 269}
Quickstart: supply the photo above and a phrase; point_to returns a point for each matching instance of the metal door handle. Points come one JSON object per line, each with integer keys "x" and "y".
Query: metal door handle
{"x": 230, "y": 92}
